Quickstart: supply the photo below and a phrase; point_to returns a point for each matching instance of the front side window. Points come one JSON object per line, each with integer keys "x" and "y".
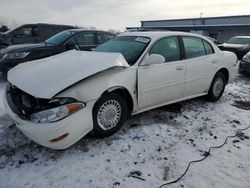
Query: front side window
{"x": 131, "y": 47}
{"x": 193, "y": 47}
{"x": 103, "y": 37}
{"x": 168, "y": 48}
{"x": 84, "y": 39}
{"x": 25, "y": 32}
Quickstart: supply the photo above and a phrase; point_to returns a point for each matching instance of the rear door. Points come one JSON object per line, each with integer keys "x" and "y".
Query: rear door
{"x": 162, "y": 83}
{"x": 200, "y": 61}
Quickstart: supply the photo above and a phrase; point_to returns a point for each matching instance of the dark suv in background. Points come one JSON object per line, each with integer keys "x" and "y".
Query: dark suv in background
{"x": 79, "y": 39}
{"x": 31, "y": 33}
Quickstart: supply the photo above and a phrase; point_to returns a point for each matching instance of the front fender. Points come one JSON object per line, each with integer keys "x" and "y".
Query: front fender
{"x": 93, "y": 87}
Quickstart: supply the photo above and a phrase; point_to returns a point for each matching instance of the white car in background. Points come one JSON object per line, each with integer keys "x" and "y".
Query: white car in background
{"x": 57, "y": 100}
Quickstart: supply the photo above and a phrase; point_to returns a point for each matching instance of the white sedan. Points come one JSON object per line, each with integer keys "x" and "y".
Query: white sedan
{"x": 57, "y": 100}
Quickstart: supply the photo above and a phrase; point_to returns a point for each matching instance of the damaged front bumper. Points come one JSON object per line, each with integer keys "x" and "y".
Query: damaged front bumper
{"x": 57, "y": 135}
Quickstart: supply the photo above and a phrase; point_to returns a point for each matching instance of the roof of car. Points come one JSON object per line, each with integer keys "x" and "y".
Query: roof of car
{"x": 159, "y": 34}
{"x": 48, "y": 24}
{"x": 80, "y": 30}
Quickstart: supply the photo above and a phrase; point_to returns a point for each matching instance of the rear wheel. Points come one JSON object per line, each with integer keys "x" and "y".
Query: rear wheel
{"x": 217, "y": 87}
{"x": 109, "y": 114}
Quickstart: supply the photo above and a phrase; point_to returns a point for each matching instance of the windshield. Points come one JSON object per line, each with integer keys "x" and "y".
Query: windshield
{"x": 59, "y": 38}
{"x": 239, "y": 40}
{"x": 131, "y": 47}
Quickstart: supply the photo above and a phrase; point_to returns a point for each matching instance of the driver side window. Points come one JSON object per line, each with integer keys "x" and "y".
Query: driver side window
{"x": 25, "y": 32}
{"x": 84, "y": 39}
{"x": 167, "y": 47}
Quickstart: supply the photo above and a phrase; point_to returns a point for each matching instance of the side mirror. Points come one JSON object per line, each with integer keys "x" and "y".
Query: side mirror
{"x": 153, "y": 59}
{"x": 71, "y": 46}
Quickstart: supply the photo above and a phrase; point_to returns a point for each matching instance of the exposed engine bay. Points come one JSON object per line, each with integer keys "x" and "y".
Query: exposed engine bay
{"x": 24, "y": 104}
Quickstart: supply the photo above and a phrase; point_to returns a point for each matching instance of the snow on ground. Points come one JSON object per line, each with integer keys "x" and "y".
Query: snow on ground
{"x": 155, "y": 146}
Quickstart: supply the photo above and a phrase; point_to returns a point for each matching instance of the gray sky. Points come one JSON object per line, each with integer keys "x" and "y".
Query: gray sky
{"x": 116, "y": 14}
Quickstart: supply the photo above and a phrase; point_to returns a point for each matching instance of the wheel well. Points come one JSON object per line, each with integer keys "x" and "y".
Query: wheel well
{"x": 225, "y": 72}
{"x": 125, "y": 94}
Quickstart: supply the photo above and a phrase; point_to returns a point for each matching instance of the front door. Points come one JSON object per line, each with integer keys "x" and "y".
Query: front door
{"x": 159, "y": 84}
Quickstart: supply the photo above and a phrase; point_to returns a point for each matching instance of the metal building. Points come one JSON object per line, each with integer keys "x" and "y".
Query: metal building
{"x": 220, "y": 28}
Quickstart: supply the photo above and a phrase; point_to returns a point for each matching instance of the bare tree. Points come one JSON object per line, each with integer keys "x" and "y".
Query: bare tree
{"x": 116, "y": 31}
{"x": 92, "y": 27}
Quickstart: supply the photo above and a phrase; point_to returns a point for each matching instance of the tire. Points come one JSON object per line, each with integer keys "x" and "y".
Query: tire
{"x": 217, "y": 87}
{"x": 111, "y": 106}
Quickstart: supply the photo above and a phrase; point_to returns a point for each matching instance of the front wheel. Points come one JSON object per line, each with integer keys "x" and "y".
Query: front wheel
{"x": 217, "y": 87}
{"x": 109, "y": 114}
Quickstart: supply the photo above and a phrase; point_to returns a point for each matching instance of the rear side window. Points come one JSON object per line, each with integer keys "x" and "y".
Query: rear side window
{"x": 168, "y": 48}
{"x": 208, "y": 47}
{"x": 193, "y": 47}
{"x": 85, "y": 39}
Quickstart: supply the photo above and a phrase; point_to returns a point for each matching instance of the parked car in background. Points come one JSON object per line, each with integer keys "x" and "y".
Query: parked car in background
{"x": 57, "y": 100}
{"x": 240, "y": 45}
{"x": 31, "y": 33}
{"x": 244, "y": 65}
{"x": 80, "y": 39}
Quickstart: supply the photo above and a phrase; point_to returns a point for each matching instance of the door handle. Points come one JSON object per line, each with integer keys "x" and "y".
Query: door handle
{"x": 180, "y": 68}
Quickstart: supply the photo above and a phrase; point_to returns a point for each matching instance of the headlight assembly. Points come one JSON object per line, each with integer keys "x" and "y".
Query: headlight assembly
{"x": 246, "y": 59}
{"x": 57, "y": 113}
{"x": 16, "y": 55}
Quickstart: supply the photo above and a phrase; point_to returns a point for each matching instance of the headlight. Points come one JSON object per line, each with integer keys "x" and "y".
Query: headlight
{"x": 17, "y": 55}
{"x": 57, "y": 113}
{"x": 246, "y": 59}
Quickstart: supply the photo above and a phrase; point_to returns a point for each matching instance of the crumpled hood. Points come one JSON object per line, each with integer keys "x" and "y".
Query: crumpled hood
{"x": 46, "y": 77}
